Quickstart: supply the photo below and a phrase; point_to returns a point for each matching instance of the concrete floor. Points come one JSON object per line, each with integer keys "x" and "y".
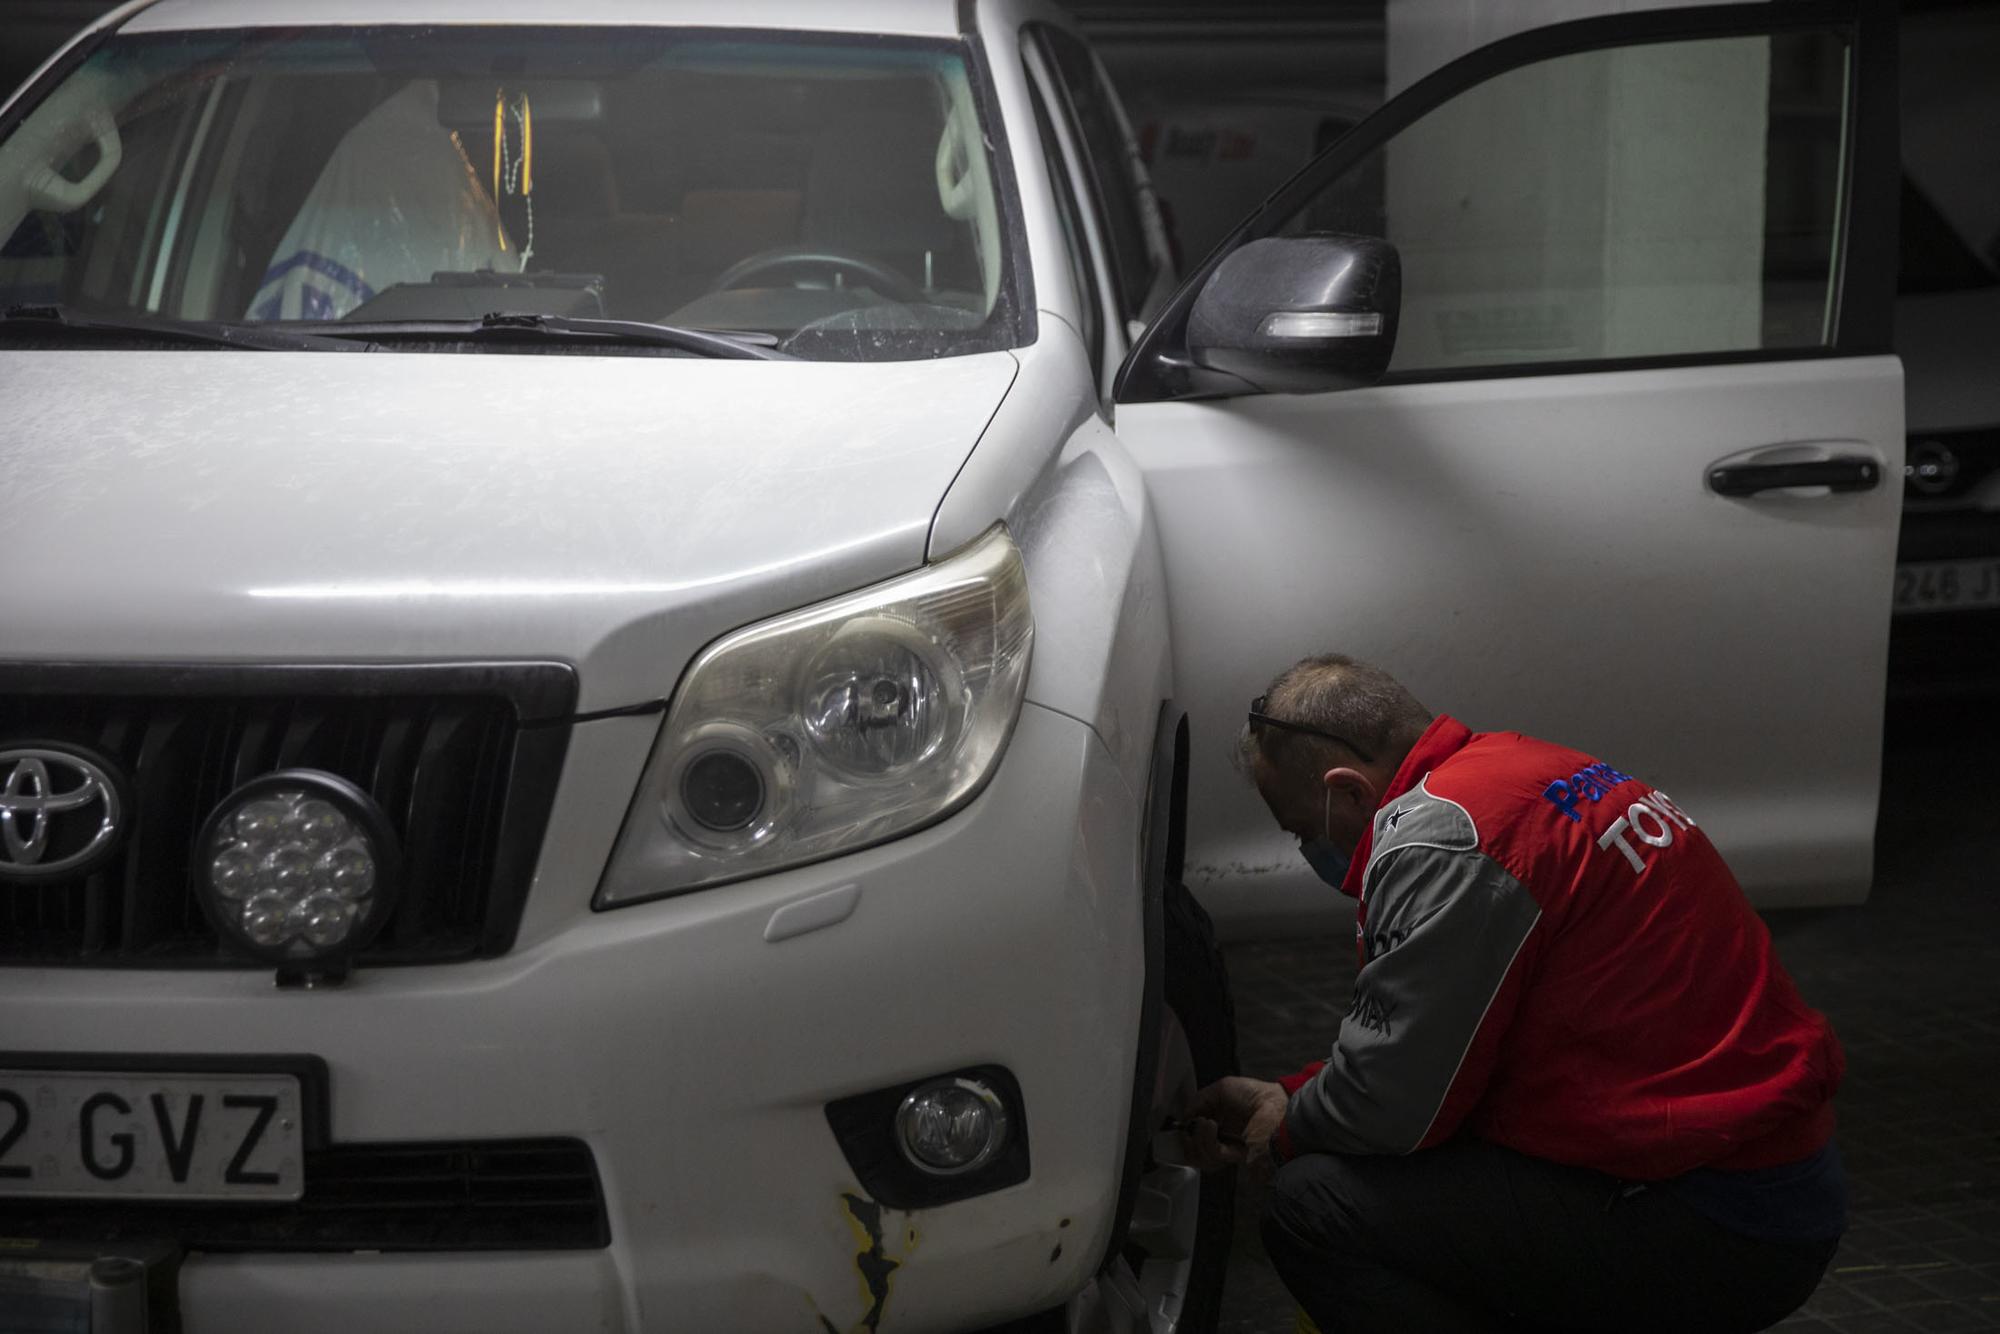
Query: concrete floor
{"x": 1911, "y": 981}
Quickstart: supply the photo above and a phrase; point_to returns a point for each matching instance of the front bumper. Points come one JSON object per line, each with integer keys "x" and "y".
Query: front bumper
{"x": 695, "y": 1059}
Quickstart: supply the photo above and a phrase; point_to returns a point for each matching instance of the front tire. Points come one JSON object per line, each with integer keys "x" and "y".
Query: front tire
{"x": 1167, "y": 1277}
{"x": 1201, "y": 1033}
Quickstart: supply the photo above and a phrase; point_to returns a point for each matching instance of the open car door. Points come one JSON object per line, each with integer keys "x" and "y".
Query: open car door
{"x": 1631, "y": 480}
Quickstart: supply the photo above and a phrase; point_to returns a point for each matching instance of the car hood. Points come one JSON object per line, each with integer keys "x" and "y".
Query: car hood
{"x": 612, "y": 512}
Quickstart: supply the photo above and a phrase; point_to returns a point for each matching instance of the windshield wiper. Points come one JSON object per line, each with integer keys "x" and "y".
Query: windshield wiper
{"x": 504, "y": 325}
{"x": 51, "y": 319}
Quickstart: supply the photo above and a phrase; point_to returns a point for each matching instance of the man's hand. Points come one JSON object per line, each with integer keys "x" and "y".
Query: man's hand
{"x": 1245, "y": 1110}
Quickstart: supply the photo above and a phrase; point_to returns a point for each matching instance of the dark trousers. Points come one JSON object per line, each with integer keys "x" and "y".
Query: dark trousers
{"x": 1474, "y": 1237}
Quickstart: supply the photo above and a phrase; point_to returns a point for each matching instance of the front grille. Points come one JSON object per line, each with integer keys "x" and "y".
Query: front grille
{"x": 442, "y": 750}
{"x": 500, "y": 1195}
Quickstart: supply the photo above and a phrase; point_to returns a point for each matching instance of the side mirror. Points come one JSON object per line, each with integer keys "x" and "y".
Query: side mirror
{"x": 1300, "y": 315}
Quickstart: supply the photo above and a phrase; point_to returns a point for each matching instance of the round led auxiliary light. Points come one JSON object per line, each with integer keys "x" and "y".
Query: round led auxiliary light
{"x": 297, "y": 867}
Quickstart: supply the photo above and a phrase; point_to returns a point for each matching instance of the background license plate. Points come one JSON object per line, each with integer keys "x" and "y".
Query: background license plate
{"x": 151, "y": 1136}
{"x": 1948, "y": 585}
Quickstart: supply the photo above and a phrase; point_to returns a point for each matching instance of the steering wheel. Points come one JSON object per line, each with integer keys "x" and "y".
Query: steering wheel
{"x": 879, "y": 276}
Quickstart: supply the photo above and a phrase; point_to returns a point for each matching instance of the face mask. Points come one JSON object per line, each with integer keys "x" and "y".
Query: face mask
{"x": 1329, "y": 863}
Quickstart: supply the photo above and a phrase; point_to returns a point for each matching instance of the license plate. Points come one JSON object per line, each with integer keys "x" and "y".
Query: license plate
{"x": 151, "y": 1136}
{"x": 1948, "y": 585}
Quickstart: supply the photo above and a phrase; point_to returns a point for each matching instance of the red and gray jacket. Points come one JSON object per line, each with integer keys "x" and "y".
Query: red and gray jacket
{"x": 1554, "y": 958}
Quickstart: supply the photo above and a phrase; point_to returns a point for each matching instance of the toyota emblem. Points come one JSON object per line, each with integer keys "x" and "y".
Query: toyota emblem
{"x": 60, "y": 811}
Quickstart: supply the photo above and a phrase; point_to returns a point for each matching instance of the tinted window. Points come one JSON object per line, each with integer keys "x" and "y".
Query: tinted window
{"x": 1111, "y": 165}
{"x": 1657, "y": 200}
{"x": 1075, "y": 242}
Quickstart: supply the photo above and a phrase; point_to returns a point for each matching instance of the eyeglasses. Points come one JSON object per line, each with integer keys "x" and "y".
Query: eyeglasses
{"x": 1259, "y": 718}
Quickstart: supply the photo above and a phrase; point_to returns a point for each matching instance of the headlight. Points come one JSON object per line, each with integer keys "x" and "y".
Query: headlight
{"x": 832, "y": 728}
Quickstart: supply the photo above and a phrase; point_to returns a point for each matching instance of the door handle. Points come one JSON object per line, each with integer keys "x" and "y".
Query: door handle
{"x": 1847, "y": 472}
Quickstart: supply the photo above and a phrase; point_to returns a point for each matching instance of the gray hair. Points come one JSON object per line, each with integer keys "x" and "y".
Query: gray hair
{"x": 1334, "y": 693}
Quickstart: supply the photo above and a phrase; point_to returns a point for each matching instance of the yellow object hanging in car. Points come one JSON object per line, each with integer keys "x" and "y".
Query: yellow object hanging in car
{"x": 525, "y": 109}
{"x": 499, "y": 150}
{"x": 527, "y": 146}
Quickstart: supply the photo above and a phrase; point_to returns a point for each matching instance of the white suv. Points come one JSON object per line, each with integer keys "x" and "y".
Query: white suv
{"x": 647, "y": 565}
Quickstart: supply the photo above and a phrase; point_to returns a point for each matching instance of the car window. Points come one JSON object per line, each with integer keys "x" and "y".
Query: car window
{"x": 840, "y": 196}
{"x": 1666, "y": 199}
{"x": 1075, "y": 239}
{"x": 1112, "y": 165}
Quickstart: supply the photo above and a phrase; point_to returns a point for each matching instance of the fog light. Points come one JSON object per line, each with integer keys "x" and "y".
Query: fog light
{"x": 951, "y": 1126}
{"x": 297, "y": 867}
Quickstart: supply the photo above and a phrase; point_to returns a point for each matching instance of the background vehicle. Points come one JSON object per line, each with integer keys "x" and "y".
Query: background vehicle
{"x": 750, "y": 623}
{"x": 1946, "y": 638}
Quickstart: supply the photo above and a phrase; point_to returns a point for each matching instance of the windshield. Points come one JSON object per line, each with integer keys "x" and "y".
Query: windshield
{"x": 837, "y": 194}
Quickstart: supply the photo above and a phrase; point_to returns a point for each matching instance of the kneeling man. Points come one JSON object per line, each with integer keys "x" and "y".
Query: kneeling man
{"x": 1575, "y": 1089}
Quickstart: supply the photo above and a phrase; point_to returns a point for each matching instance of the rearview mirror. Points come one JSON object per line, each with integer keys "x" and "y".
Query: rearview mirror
{"x": 1300, "y": 314}
{"x": 467, "y": 104}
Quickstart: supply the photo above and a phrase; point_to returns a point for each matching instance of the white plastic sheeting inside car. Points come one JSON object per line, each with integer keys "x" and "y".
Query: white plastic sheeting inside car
{"x": 397, "y": 202}
{"x": 80, "y": 113}
{"x": 965, "y": 182}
